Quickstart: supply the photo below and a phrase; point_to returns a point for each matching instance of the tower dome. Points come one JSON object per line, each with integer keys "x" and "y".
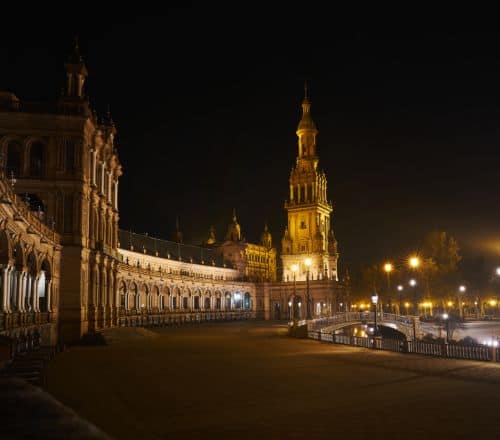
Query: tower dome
{"x": 234, "y": 229}
{"x": 266, "y": 238}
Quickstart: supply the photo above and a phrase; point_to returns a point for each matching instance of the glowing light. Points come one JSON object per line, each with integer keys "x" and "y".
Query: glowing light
{"x": 413, "y": 283}
{"x": 388, "y": 267}
{"x": 289, "y": 303}
{"x": 300, "y": 304}
{"x": 308, "y": 262}
{"x": 295, "y": 267}
{"x": 498, "y": 271}
{"x": 445, "y": 315}
{"x": 462, "y": 288}
{"x": 400, "y": 287}
{"x": 374, "y": 299}
{"x": 414, "y": 262}
{"x": 492, "y": 302}
{"x": 237, "y": 296}
{"x": 407, "y": 304}
{"x": 449, "y": 303}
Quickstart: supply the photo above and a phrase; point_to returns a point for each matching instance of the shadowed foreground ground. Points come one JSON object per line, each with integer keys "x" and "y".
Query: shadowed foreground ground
{"x": 248, "y": 380}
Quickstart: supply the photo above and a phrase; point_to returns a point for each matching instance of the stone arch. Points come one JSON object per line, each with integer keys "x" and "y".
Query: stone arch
{"x": 155, "y": 297}
{"x": 15, "y": 276}
{"x": 207, "y": 301}
{"x": 5, "y": 249}
{"x": 44, "y": 287}
{"x": 228, "y": 300}
{"x": 176, "y": 298}
{"x": 196, "y": 300}
{"x": 5, "y": 256}
{"x": 29, "y": 286}
{"x": 218, "y": 300}
{"x": 133, "y": 301}
{"x": 247, "y": 301}
{"x": 143, "y": 296}
{"x": 237, "y": 299}
{"x": 122, "y": 295}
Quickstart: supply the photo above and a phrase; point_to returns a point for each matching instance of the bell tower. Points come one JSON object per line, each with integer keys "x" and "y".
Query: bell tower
{"x": 308, "y": 233}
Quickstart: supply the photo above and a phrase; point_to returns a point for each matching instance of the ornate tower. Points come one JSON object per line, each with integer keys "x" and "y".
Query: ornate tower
{"x": 308, "y": 234}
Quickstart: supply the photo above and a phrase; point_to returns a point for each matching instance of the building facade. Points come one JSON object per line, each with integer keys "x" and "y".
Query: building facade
{"x": 309, "y": 248}
{"x": 30, "y": 254}
{"x": 59, "y": 232}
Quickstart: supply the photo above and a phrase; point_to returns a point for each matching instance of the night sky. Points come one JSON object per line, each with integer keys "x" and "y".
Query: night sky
{"x": 206, "y": 109}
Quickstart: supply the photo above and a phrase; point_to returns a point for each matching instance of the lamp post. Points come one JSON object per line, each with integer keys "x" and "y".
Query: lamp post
{"x": 308, "y": 262}
{"x": 388, "y": 268}
{"x": 400, "y": 290}
{"x": 295, "y": 312}
{"x": 461, "y": 290}
{"x": 375, "y": 332}
{"x": 446, "y": 319}
{"x": 413, "y": 283}
{"x": 414, "y": 263}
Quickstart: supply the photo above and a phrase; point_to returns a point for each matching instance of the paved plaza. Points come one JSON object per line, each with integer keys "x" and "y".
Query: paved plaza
{"x": 242, "y": 380}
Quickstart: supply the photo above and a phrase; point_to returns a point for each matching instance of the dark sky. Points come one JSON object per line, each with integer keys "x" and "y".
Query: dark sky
{"x": 206, "y": 108}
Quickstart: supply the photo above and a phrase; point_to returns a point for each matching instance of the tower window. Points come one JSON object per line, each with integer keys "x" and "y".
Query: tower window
{"x": 36, "y": 159}
{"x": 14, "y": 151}
{"x": 69, "y": 162}
{"x": 303, "y": 224}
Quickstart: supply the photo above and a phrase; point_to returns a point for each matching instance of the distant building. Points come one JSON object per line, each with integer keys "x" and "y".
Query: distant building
{"x": 254, "y": 262}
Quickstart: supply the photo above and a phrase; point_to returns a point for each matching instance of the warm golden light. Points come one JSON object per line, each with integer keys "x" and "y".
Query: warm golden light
{"x": 307, "y": 262}
{"x": 295, "y": 267}
{"x": 450, "y": 303}
{"x": 388, "y": 267}
{"x": 407, "y": 304}
{"x": 414, "y": 262}
{"x": 492, "y": 302}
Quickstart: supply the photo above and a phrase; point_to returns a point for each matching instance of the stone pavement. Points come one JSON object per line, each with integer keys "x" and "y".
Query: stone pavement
{"x": 249, "y": 380}
{"x": 28, "y": 412}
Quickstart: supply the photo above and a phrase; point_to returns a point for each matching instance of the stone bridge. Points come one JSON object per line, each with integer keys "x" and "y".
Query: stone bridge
{"x": 409, "y": 326}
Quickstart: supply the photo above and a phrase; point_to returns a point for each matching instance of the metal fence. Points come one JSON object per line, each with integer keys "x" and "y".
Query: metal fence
{"x": 450, "y": 350}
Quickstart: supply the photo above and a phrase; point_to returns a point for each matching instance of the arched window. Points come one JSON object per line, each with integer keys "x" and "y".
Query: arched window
{"x": 228, "y": 301}
{"x": 123, "y": 295}
{"x": 207, "y": 303}
{"x": 14, "y": 155}
{"x": 30, "y": 283}
{"x": 44, "y": 287}
{"x": 134, "y": 296}
{"x": 237, "y": 300}
{"x": 37, "y": 159}
{"x": 247, "y": 302}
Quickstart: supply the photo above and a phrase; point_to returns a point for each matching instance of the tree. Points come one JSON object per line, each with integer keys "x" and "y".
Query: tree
{"x": 440, "y": 268}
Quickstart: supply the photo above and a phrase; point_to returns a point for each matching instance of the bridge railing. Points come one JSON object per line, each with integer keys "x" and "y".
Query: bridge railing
{"x": 454, "y": 351}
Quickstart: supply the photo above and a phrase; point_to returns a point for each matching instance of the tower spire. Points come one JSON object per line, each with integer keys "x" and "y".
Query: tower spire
{"x": 306, "y": 97}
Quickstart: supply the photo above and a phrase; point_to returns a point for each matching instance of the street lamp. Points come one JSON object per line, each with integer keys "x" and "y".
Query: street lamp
{"x": 374, "y": 302}
{"x": 446, "y": 318}
{"x": 308, "y": 262}
{"x": 295, "y": 313}
{"x": 388, "y": 268}
{"x": 414, "y": 262}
